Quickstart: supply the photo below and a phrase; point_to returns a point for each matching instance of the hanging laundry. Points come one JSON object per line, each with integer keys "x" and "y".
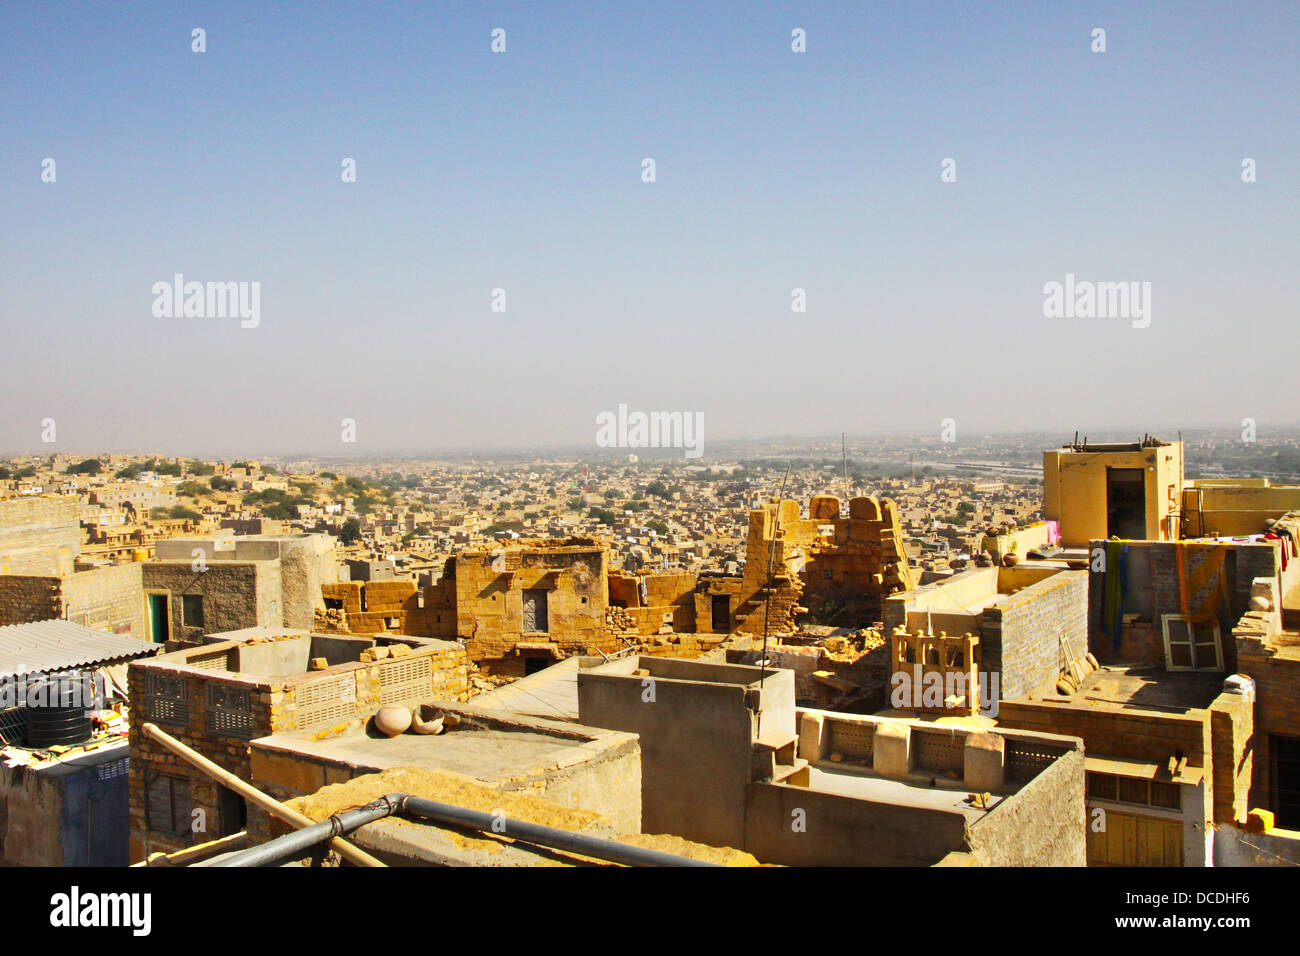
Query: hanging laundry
{"x": 1201, "y": 582}
{"x": 1113, "y": 589}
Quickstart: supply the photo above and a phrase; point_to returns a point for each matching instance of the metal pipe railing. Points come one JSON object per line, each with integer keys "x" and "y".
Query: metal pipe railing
{"x": 294, "y": 844}
{"x": 402, "y": 804}
{"x": 581, "y": 843}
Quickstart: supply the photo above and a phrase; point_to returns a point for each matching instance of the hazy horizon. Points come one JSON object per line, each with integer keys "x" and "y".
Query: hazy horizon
{"x": 721, "y": 447}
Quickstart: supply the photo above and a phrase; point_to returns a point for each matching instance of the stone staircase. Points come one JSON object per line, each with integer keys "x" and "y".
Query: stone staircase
{"x": 774, "y": 759}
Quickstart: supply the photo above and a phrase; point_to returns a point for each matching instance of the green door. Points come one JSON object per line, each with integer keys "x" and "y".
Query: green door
{"x": 158, "y": 618}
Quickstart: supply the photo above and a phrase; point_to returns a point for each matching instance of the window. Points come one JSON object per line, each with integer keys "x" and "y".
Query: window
{"x": 192, "y": 610}
{"x": 167, "y": 805}
{"x": 1115, "y": 788}
{"x": 165, "y": 701}
{"x": 1191, "y": 645}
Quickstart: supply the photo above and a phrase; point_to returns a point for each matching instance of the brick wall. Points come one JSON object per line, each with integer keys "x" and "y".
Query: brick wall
{"x": 27, "y": 598}
{"x": 1232, "y": 726}
{"x": 276, "y": 704}
{"x": 1021, "y": 636}
{"x": 110, "y": 599}
{"x": 39, "y": 535}
{"x": 1153, "y": 590}
{"x": 150, "y": 759}
{"x": 1134, "y": 734}
{"x": 1276, "y": 672}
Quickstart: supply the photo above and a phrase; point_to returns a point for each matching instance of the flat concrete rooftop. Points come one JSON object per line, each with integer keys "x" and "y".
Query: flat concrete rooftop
{"x": 477, "y": 752}
{"x": 861, "y": 783}
{"x": 1149, "y": 688}
{"x": 498, "y": 748}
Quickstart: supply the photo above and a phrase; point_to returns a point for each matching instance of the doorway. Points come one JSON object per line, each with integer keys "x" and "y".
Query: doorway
{"x": 721, "y": 609}
{"x": 1126, "y": 503}
{"x": 1285, "y": 754}
{"x": 159, "y": 618}
{"x": 535, "y": 615}
{"x": 234, "y": 811}
{"x": 1127, "y": 839}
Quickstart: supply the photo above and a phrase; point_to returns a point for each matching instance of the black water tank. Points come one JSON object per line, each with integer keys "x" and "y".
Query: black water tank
{"x": 58, "y": 711}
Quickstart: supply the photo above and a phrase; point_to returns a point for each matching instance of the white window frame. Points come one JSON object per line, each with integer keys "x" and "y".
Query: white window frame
{"x": 1191, "y": 643}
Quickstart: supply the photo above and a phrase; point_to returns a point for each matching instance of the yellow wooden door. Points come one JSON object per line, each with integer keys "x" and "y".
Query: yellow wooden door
{"x": 1130, "y": 840}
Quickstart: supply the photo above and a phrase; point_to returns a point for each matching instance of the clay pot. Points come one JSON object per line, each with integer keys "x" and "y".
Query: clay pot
{"x": 392, "y": 720}
{"x": 426, "y": 719}
{"x": 1010, "y": 560}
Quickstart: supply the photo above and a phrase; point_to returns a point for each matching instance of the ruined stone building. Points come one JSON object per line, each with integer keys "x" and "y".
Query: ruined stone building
{"x": 527, "y": 603}
{"x": 827, "y": 568}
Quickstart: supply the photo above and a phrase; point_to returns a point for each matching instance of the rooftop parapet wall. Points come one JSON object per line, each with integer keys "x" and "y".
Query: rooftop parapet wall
{"x": 1036, "y": 815}
{"x": 1026, "y": 619}
{"x": 698, "y": 725}
{"x": 1234, "y": 507}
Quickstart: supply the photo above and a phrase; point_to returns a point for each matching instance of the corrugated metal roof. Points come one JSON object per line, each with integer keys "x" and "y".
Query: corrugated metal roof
{"x": 43, "y": 646}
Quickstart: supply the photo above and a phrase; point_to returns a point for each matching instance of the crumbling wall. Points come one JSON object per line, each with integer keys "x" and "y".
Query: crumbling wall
{"x": 835, "y": 569}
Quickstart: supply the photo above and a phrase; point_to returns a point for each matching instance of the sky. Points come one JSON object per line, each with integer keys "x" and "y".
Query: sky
{"x": 775, "y": 170}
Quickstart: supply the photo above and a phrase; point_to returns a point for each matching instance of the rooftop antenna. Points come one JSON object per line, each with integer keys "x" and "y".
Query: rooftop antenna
{"x": 767, "y": 603}
{"x": 844, "y": 450}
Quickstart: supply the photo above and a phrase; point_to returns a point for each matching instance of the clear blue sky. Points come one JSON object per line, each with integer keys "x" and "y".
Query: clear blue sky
{"x": 522, "y": 171}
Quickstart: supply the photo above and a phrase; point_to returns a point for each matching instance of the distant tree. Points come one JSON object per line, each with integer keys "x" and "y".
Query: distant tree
{"x": 180, "y": 511}
{"x": 350, "y": 533}
{"x": 328, "y": 475}
{"x": 201, "y": 468}
{"x": 5, "y": 473}
{"x": 658, "y": 527}
{"x": 90, "y": 466}
{"x": 27, "y": 471}
{"x": 270, "y": 470}
{"x": 221, "y": 484}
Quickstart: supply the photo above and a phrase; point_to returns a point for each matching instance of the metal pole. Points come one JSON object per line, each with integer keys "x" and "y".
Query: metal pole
{"x": 252, "y": 794}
